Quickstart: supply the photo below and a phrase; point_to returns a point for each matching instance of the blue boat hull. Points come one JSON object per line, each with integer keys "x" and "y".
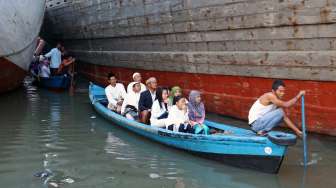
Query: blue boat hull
{"x": 55, "y": 82}
{"x": 262, "y": 163}
{"x": 241, "y": 149}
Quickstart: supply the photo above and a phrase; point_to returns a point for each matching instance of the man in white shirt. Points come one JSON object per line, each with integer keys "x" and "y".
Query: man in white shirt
{"x": 136, "y": 79}
{"x": 267, "y": 112}
{"x": 115, "y": 93}
{"x": 55, "y": 56}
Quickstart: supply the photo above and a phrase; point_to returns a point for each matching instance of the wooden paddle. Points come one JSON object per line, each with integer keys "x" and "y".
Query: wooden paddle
{"x": 304, "y": 135}
{"x": 72, "y": 84}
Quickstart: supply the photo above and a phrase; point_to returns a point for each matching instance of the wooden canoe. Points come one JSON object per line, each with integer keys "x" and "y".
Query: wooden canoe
{"x": 243, "y": 148}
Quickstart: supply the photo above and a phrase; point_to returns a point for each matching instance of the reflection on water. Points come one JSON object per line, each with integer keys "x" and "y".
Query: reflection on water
{"x": 42, "y": 130}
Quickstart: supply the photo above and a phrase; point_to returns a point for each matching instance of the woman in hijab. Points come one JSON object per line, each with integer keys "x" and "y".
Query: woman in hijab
{"x": 196, "y": 112}
{"x": 175, "y": 91}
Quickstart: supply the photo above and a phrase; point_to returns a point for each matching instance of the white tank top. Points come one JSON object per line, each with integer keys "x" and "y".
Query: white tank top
{"x": 258, "y": 110}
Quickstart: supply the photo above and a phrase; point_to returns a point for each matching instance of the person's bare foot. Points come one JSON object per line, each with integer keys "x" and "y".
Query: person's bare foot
{"x": 262, "y": 133}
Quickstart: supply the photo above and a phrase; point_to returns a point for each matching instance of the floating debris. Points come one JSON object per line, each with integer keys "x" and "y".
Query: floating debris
{"x": 43, "y": 174}
{"x": 93, "y": 117}
{"x": 48, "y": 155}
{"x": 53, "y": 184}
{"x": 68, "y": 180}
{"x": 154, "y": 176}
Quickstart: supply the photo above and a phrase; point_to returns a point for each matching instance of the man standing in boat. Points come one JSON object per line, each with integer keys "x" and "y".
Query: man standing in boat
{"x": 267, "y": 112}
{"x": 55, "y": 55}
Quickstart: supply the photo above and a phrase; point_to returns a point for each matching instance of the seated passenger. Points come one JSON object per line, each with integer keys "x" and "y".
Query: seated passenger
{"x": 115, "y": 93}
{"x": 196, "y": 113}
{"x": 146, "y": 100}
{"x": 174, "y": 92}
{"x": 159, "y": 112}
{"x": 129, "y": 107}
{"x": 44, "y": 70}
{"x": 178, "y": 119}
{"x": 267, "y": 112}
{"x": 34, "y": 66}
{"x": 136, "y": 78}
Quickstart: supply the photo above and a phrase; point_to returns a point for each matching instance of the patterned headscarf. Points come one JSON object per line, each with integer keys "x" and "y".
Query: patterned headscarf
{"x": 196, "y": 110}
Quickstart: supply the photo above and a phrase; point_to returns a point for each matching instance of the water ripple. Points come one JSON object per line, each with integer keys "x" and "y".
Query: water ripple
{"x": 42, "y": 130}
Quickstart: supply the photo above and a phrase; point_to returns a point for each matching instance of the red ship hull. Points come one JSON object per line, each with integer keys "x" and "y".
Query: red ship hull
{"x": 11, "y": 75}
{"x": 234, "y": 95}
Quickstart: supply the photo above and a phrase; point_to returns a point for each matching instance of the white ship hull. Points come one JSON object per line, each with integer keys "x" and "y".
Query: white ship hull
{"x": 20, "y": 23}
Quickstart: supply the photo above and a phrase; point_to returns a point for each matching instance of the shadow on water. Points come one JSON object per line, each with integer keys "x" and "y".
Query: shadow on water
{"x": 66, "y": 136}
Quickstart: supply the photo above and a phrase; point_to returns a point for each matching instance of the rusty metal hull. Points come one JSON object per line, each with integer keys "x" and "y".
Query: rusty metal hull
{"x": 11, "y": 75}
{"x": 231, "y": 50}
{"x": 234, "y": 95}
{"x": 259, "y": 38}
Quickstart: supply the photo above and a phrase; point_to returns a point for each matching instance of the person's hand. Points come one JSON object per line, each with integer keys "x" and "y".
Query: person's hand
{"x": 299, "y": 134}
{"x": 302, "y": 92}
{"x": 191, "y": 123}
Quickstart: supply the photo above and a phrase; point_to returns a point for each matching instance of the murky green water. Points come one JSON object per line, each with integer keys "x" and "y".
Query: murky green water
{"x": 46, "y": 130}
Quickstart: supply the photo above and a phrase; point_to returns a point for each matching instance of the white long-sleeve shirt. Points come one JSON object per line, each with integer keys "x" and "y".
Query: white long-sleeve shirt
{"x": 130, "y": 99}
{"x": 56, "y": 58}
{"x": 115, "y": 93}
{"x": 130, "y": 87}
{"x": 156, "y": 111}
{"x": 176, "y": 117}
{"x": 44, "y": 71}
